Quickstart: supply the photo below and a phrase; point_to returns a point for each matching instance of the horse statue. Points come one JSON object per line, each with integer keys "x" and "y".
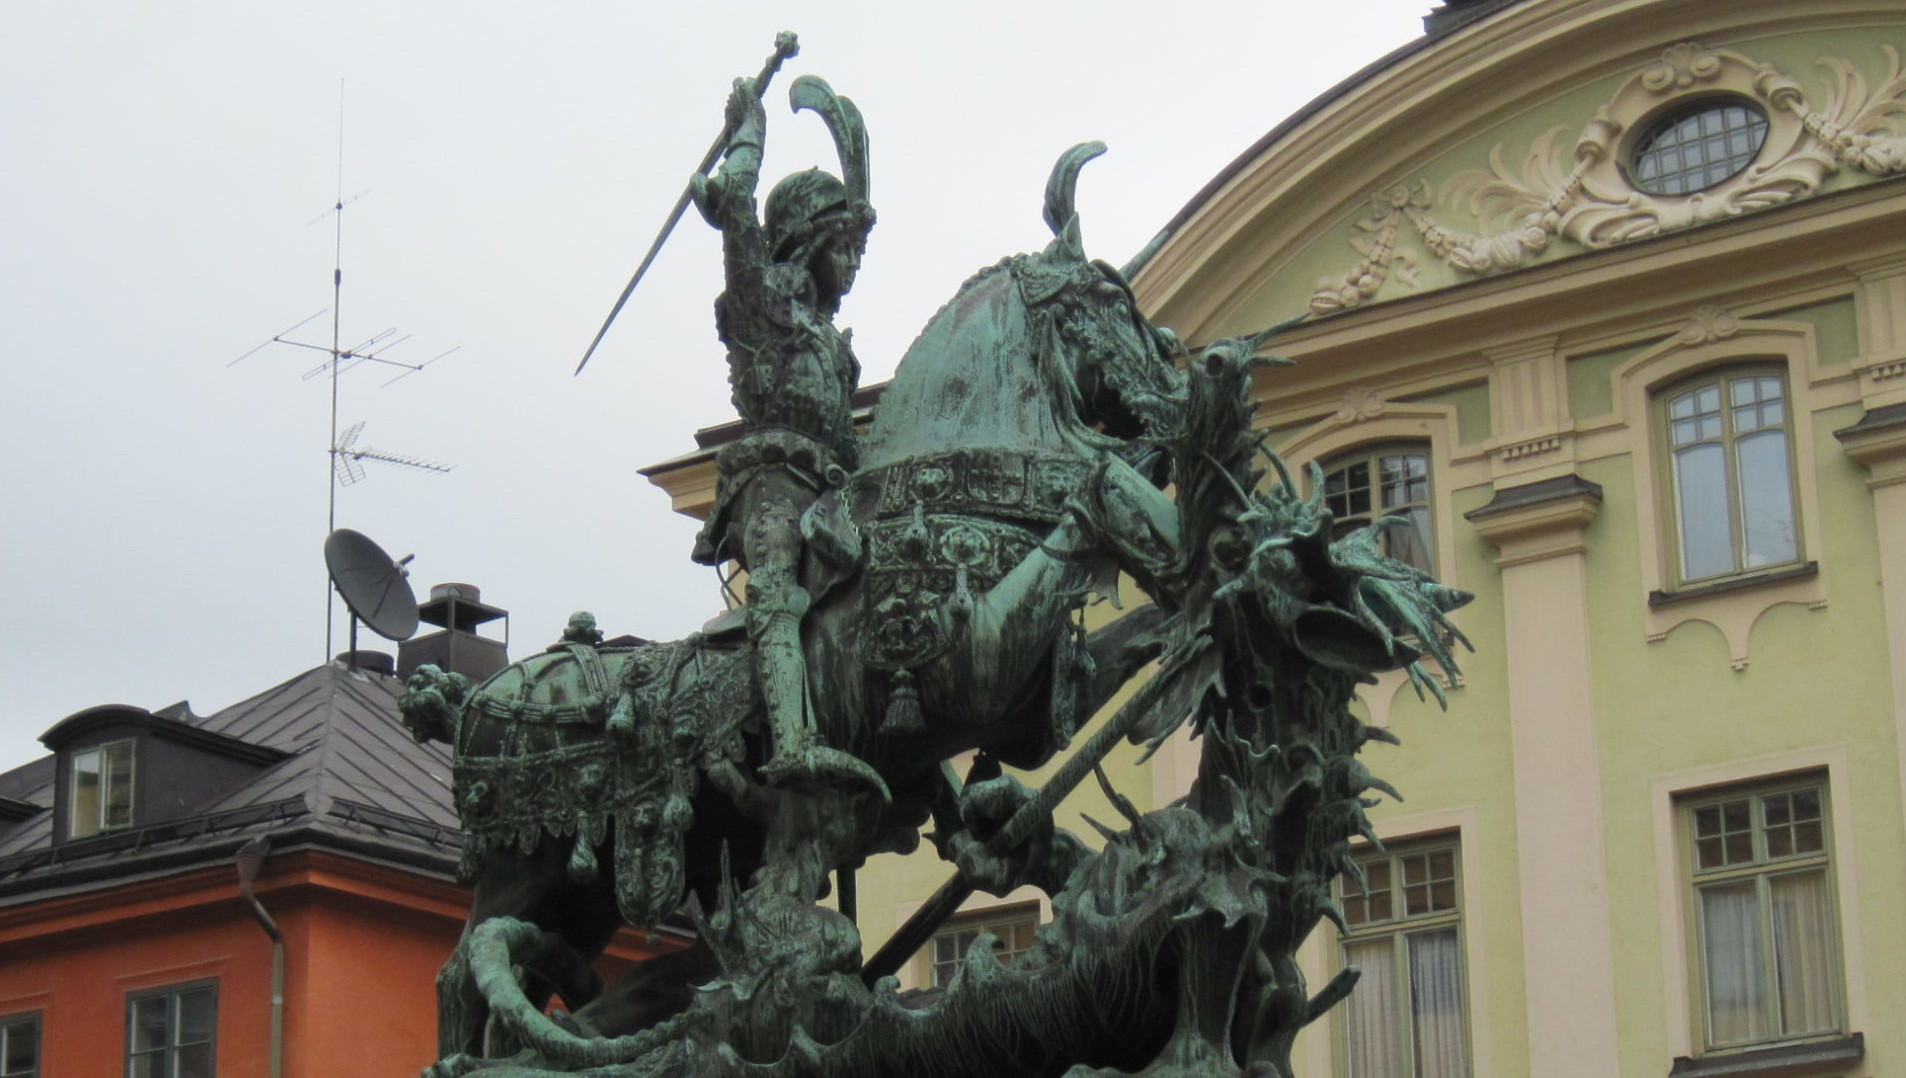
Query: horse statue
{"x": 1019, "y": 459}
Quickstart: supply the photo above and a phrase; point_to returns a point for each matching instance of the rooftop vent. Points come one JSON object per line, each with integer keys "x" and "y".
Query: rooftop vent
{"x": 458, "y": 609}
{"x": 372, "y": 662}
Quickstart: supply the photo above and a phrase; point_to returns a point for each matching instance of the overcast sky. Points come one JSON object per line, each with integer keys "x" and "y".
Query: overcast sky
{"x": 164, "y": 513}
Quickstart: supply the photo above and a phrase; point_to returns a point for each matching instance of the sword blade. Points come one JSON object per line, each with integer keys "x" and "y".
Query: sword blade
{"x": 785, "y": 45}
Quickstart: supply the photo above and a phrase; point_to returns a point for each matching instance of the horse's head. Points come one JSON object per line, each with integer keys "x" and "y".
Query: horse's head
{"x": 1043, "y": 353}
{"x": 1118, "y": 373}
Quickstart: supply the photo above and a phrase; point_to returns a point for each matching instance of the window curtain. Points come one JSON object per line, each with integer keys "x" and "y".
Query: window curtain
{"x": 1731, "y": 958}
{"x": 1370, "y": 1014}
{"x": 1436, "y": 1000}
{"x": 1804, "y": 952}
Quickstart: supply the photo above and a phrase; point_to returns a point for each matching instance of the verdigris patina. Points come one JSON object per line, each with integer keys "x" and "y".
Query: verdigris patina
{"x": 912, "y": 597}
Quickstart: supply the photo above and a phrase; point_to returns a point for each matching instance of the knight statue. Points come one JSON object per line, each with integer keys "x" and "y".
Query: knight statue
{"x": 793, "y": 375}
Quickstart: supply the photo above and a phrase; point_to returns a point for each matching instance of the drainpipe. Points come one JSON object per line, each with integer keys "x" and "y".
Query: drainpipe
{"x": 251, "y": 857}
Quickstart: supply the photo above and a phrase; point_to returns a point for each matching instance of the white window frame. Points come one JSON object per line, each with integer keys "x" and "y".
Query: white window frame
{"x": 99, "y": 824}
{"x": 1678, "y": 937}
{"x": 1372, "y": 454}
{"x": 1763, "y": 868}
{"x": 1399, "y": 927}
{"x": 1669, "y": 486}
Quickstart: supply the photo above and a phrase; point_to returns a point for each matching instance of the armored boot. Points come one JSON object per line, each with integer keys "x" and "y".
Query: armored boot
{"x": 776, "y": 605}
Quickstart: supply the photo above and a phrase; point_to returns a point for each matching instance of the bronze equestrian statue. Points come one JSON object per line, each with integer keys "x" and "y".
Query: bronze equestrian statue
{"x": 914, "y": 595}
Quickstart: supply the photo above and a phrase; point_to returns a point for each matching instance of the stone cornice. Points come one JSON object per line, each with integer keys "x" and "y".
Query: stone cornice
{"x": 1538, "y": 520}
{"x": 1878, "y": 441}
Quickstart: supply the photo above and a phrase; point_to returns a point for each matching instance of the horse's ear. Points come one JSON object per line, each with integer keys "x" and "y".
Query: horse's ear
{"x": 1061, "y": 214}
{"x": 1066, "y": 246}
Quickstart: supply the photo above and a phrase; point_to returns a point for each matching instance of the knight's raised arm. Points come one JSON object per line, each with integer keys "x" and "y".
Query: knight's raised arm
{"x": 726, "y": 198}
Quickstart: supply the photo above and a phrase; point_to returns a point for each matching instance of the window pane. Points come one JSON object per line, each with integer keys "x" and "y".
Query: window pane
{"x": 150, "y": 1026}
{"x": 22, "y": 1049}
{"x": 117, "y": 811}
{"x": 1381, "y": 906}
{"x": 1356, "y": 908}
{"x": 1804, "y": 953}
{"x": 1700, "y": 483}
{"x": 948, "y": 951}
{"x": 1411, "y": 545}
{"x": 1347, "y": 490}
{"x": 149, "y": 1065}
{"x": 1436, "y": 1005}
{"x": 1707, "y": 821}
{"x": 1731, "y": 958}
{"x": 1371, "y": 1021}
{"x": 85, "y": 815}
{"x": 1725, "y": 834}
{"x": 1766, "y": 498}
{"x": 195, "y": 1061}
{"x": 197, "y": 1015}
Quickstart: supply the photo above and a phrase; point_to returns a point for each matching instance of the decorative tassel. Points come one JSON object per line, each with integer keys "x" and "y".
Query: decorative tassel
{"x": 903, "y": 706}
{"x": 582, "y": 856}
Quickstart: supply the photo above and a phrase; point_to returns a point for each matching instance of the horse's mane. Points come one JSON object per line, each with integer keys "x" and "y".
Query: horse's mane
{"x": 979, "y": 277}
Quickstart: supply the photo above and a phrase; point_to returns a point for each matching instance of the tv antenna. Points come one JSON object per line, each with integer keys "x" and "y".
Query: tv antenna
{"x": 346, "y": 460}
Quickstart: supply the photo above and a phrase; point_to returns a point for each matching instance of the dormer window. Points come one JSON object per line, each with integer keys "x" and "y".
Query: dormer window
{"x": 101, "y": 789}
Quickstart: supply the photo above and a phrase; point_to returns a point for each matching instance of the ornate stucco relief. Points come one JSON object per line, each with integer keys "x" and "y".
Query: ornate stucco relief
{"x": 1359, "y": 404}
{"x": 1581, "y": 193}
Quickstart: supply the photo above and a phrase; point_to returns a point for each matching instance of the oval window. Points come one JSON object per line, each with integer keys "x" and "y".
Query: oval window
{"x": 1696, "y": 148}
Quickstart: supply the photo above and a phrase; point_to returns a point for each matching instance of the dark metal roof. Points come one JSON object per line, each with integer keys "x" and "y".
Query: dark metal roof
{"x": 350, "y": 778}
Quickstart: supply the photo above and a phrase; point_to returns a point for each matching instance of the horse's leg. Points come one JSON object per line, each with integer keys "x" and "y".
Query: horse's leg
{"x": 1126, "y": 520}
{"x": 509, "y": 885}
{"x": 1008, "y": 628}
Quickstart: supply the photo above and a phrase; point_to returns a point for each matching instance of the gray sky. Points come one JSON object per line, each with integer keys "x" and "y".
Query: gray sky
{"x": 164, "y": 513}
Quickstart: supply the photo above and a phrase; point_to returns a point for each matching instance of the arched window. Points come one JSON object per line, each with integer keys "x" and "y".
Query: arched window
{"x": 1389, "y": 480}
{"x": 1731, "y": 483}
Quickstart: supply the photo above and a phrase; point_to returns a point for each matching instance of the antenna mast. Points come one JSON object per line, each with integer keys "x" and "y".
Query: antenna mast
{"x": 344, "y": 463}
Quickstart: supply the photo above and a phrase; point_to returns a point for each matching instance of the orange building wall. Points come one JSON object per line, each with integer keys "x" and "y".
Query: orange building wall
{"x": 363, "y": 944}
{"x": 362, "y": 951}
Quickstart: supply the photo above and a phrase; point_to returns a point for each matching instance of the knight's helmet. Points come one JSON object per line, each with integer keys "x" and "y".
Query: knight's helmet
{"x": 810, "y": 205}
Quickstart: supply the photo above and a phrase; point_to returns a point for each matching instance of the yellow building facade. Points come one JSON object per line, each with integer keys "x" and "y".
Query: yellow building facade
{"x": 1609, "y": 297}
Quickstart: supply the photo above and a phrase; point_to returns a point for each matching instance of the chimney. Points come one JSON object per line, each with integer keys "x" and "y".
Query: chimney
{"x": 457, "y": 648}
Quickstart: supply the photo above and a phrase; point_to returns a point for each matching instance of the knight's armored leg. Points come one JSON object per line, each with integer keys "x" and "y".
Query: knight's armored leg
{"x": 775, "y": 606}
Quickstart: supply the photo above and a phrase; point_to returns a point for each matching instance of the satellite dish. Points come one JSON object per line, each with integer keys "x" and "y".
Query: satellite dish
{"x": 373, "y": 585}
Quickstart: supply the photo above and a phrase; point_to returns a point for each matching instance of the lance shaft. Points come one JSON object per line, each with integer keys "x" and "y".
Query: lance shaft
{"x": 1035, "y": 812}
{"x": 785, "y": 45}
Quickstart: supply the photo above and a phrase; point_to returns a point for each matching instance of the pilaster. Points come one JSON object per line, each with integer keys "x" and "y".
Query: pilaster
{"x": 1533, "y": 437}
{"x": 1567, "y": 937}
{"x": 1878, "y": 441}
{"x": 1881, "y": 301}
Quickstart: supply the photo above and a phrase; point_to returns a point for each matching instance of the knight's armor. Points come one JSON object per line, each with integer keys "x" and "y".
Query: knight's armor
{"x": 792, "y": 374}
